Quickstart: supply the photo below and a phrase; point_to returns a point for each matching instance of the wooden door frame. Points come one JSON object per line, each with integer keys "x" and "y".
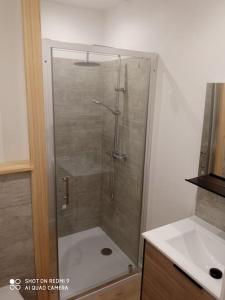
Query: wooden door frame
{"x": 36, "y": 127}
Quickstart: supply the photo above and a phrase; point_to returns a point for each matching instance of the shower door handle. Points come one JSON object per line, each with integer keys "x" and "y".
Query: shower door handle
{"x": 66, "y": 196}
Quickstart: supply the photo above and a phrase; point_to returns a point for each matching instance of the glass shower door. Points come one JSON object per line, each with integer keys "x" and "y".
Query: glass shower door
{"x": 100, "y": 113}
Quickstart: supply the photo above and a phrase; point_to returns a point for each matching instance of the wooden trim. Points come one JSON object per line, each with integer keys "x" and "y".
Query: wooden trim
{"x": 15, "y": 167}
{"x": 35, "y": 104}
{"x": 106, "y": 286}
{"x": 121, "y": 289}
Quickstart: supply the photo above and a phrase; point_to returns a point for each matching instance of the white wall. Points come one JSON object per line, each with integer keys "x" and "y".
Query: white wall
{"x": 13, "y": 112}
{"x": 68, "y": 23}
{"x": 188, "y": 35}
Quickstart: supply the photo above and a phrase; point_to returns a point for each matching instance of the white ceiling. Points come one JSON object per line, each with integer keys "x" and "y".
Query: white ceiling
{"x": 93, "y": 4}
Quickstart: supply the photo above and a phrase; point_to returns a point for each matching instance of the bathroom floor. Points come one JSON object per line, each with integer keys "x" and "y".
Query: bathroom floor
{"x": 81, "y": 261}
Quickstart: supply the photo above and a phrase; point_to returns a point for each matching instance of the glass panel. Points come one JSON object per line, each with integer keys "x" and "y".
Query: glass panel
{"x": 122, "y": 187}
{"x": 100, "y": 112}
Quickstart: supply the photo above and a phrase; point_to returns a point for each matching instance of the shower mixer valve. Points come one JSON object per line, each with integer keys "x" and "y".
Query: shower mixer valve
{"x": 123, "y": 90}
{"x": 117, "y": 155}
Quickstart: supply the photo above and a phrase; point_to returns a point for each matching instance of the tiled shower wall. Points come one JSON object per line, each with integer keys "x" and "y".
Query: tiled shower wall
{"x": 16, "y": 246}
{"x": 78, "y": 145}
{"x": 84, "y": 134}
{"x": 121, "y": 214}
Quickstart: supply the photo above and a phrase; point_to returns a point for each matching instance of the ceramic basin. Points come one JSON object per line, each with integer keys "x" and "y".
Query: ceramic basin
{"x": 196, "y": 247}
{"x": 204, "y": 250}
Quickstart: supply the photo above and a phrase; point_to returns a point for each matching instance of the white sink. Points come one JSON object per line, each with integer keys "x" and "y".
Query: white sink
{"x": 202, "y": 249}
{"x": 196, "y": 247}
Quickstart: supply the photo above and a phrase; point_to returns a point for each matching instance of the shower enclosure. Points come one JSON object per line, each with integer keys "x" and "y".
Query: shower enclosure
{"x": 97, "y": 103}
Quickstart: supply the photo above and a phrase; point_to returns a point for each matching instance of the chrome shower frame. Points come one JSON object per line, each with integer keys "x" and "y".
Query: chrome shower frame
{"x": 48, "y": 46}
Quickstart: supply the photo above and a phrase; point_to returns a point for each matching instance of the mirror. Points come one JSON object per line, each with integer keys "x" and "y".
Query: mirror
{"x": 212, "y": 156}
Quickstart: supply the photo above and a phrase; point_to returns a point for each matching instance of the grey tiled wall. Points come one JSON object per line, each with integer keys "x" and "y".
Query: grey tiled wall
{"x": 120, "y": 216}
{"x": 16, "y": 246}
{"x": 211, "y": 208}
{"x": 84, "y": 209}
{"x": 78, "y": 144}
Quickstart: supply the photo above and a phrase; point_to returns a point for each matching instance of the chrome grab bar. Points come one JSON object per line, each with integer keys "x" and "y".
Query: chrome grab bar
{"x": 66, "y": 197}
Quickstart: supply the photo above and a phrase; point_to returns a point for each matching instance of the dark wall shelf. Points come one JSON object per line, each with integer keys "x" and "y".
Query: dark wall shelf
{"x": 211, "y": 183}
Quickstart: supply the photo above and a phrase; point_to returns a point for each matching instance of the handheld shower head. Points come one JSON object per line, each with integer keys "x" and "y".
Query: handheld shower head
{"x": 115, "y": 112}
{"x": 96, "y": 101}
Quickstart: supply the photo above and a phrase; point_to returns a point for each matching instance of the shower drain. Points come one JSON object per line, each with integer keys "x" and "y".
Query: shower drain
{"x": 106, "y": 251}
{"x": 215, "y": 273}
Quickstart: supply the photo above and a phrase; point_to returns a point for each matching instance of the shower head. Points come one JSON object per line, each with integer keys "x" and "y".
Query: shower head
{"x": 87, "y": 63}
{"x": 96, "y": 101}
{"x": 115, "y": 112}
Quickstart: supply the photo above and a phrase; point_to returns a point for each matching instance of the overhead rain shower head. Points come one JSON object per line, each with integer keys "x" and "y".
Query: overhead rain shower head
{"x": 87, "y": 63}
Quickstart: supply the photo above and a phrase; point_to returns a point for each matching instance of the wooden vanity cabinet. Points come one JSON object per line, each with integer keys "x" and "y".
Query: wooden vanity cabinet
{"x": 162, "y": 280}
